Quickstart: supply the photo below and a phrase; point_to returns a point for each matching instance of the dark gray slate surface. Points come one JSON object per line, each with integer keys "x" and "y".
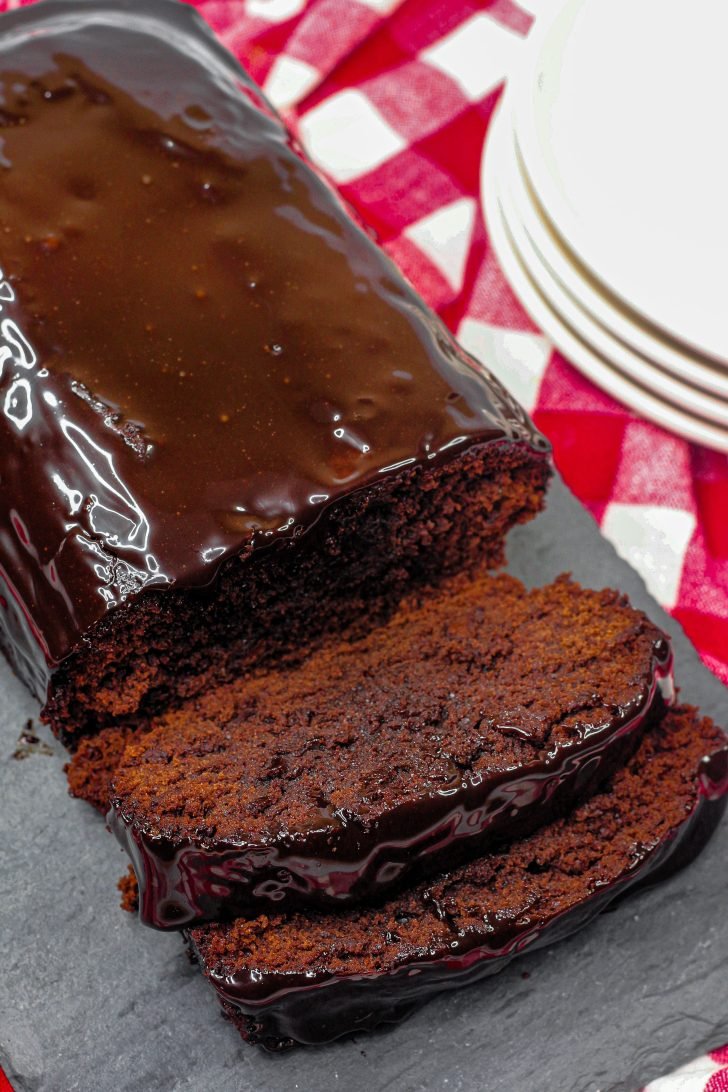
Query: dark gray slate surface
{"x": 91, "y": 1001}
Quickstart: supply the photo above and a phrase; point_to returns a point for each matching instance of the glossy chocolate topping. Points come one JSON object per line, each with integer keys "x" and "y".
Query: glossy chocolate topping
{"x": 199, "y": 350}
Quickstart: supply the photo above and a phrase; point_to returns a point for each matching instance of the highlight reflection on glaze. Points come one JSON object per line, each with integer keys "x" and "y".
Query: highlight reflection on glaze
{"x": 97, "y": 506}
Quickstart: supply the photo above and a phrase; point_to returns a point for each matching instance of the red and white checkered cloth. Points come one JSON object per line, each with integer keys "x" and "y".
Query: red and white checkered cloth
{"x": 708, "y": 1074}
{"x": 392, "y": 99}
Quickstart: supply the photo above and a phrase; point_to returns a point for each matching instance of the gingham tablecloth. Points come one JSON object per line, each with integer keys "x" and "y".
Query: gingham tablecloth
{"x": 392, "y": 99}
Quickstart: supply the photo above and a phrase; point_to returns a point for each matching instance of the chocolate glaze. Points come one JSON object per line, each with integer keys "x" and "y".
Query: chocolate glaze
{"x": 199, "y": 350}
{"x": 185, "y": 881}
{"x": 279, "y": 1010}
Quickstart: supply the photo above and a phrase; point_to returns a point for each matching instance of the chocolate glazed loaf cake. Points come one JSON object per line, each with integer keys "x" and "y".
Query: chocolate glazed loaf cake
{"x": 229, "y": 425}
{"x": 250, "y": 488}
{"x": 312, "y": 977}
{"x": 477, "y": 714}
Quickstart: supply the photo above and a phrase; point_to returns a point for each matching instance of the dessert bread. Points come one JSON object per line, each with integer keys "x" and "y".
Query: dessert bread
{"x": 229, "y": 425}
{"x": 473, "y": 715}
{"x": 311, "y": 977}
{"x": 250, "y": 489}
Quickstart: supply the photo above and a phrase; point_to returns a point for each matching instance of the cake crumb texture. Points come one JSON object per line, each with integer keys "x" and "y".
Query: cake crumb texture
{"x": 536, "y": 878}
{"x": 481, "y": 679}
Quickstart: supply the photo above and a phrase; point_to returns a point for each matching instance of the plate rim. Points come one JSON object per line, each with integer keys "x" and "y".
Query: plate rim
{"x": 568, "y": 342}
{"x": 646, "y": 373}
{"x": 693, "y": 369}
{"x": 521, "y": 83}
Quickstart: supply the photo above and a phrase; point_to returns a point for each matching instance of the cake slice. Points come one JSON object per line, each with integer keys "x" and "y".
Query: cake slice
{"x": 313, "y": 977}
{"x": 470, "y": 716}
{"x": 229, "y": 425}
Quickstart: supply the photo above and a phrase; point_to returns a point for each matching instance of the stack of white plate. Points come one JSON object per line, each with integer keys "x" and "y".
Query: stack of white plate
{"x": 605, "y": 187}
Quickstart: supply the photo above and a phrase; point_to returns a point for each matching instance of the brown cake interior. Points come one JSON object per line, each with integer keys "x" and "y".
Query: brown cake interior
{"x": 93, "y": 764}
{"x": 352, "y": 568}
{"x": 545, "y": 874}
{"x": 473, "y": 714}
{"x": 542, "y": 664}
{"x": 460, "y": 686}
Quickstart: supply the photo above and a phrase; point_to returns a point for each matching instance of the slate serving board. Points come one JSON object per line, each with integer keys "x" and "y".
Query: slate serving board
{"x": 92, "y": 1001}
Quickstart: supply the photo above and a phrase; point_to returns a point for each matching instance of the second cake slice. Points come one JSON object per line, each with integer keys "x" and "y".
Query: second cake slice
{"x": 471, "y": 716}
{"x": 311, "y": 977}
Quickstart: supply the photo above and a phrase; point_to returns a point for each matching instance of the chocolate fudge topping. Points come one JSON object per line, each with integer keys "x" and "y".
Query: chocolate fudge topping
{"x": 200, "y": 351}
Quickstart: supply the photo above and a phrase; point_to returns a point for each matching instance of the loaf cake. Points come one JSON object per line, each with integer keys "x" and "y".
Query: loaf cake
{"x": 479, "y": 713}
{"x": 251, "y": 487}
{"x": 229, "y": 425}
{"x": 311, "y": 977}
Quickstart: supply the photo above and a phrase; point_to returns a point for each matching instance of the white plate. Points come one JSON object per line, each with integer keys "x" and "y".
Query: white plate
{"x": 614, "y": 351}
{"x": 587, "y": 291}
{"x": 642, "y": 369}
{"x": 568, "y": 341}
{"x": 620, "y": 115}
